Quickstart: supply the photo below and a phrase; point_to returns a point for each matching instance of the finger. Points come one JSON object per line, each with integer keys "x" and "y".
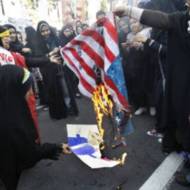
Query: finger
{"x": 67, "y": 150}
{"x": 119, "y": 11}
{"x": 66, "y": 146}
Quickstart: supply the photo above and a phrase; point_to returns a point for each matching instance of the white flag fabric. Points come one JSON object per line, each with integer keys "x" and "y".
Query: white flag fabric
{"x": 84, "y": 143}
{"x": 6, "y": 57}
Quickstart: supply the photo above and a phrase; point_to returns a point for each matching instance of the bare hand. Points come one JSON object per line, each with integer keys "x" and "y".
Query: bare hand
{"x": 55, "y": 59}
{"x": 136, "y": 44}
{"x": 140, "y": 38}
{"x": 26, "y": 50}
{"x": 120, "y": 11}
{"x": 55, "y": 51}
{"x": 66, "y": 149}
{"x": 124, "y": 44}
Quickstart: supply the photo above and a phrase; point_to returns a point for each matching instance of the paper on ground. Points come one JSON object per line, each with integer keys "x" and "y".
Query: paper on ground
{"x": 83, "y": 141}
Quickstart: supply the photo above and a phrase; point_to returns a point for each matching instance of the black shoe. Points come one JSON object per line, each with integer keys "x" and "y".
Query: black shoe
{"x": 72, "y": 112}
{"x": 78, "y": 95}
{"x": 181, "y": 180}
{"x": 187, "y": 164}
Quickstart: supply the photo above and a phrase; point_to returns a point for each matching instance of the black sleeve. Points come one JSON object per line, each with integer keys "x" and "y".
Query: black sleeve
{"x": 156, "y": 46}
{"x": 156, "y": 19}
{"x": 37, "y": 61}
{"x": 28, "y": 152}
{"x": 50, "y": 150}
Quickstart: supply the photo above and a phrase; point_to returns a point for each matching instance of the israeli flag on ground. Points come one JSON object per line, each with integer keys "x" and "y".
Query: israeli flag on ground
{"x": 84, "y": 142}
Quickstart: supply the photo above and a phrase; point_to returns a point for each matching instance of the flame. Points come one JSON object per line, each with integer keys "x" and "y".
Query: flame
{"x": 102, "y": 105}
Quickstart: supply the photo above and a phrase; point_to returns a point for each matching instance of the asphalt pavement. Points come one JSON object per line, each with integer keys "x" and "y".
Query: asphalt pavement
{"x": 69, "y": 173}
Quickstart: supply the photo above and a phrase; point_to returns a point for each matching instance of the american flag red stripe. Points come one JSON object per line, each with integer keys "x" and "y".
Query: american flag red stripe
{"x": 85, "y": 83}
{"x": 93, "y": 54}
{"x": 111, "y": 30}
{"x": 115, "y": 92}
{"x": 85, "y": 66}
{"x": 96, "y": 46}
{"x": 98, "y": 38}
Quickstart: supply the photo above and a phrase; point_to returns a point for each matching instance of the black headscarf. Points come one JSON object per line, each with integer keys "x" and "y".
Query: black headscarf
{"x": 64, "y": 39}
{"x": 46, "y": 45}
{"x": 17, "y": 131}
{"x": 32, "y": 41}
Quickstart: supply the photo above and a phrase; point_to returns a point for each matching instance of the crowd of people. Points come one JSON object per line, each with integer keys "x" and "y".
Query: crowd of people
{"x": 159, "y": 63}
{"x": 49, "y": 84}
{"x": 154, "y": 46}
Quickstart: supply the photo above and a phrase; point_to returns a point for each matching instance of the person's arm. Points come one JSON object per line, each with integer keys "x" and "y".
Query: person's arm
{"x": 154, "y": 19}
{"x": 40, "y": 61}
{"x": 156, "y": 46}
{"x": 29, "y": 152}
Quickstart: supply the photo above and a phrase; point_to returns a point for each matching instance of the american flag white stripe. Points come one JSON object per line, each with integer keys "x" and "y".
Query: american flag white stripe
{"x": 83, "y": 64}
{"x": 81, "y": 70}
{"x": 117, "y": 96}
{"x": 84, "y": 91}
{"x": 110, "y": 43}
{"x": 83, "y": 81}
{"x": 112, "y": 31}
{"x": 111, "y": 19}
{"x": 96, "y": 46}
{"x": 89, "y": 61}
{"x": 107, "y": 63}
{"x": 90, "y": 50}
{"x": 96, "y": 42}
{"x": 99, "y": 38}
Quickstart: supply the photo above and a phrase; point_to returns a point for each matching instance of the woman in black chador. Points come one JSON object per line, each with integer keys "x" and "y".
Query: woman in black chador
{"x": 66, "y": 34}
{"x": 177, "y": 101}
{"x": 54, "y": 77}
{"x": 18, "y": 148}
{"x": 177, "y": 130}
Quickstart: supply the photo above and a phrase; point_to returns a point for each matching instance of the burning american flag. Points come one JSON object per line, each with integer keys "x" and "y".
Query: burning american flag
{"x": 95, "y": 59}
{"x": 97, "y": 47}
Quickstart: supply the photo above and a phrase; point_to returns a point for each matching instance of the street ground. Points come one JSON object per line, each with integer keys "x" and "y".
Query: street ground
{"x": 69, "y": 173}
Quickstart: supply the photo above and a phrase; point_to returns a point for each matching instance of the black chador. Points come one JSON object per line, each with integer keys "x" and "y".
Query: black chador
{"x": 17, "y": 132}
{"x": 177, "y": 135}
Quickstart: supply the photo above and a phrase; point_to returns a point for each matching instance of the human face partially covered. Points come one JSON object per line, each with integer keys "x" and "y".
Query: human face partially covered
{"x": 100, "y": 16}
{"x": 188, "y": 3}
{"x": 6, "y": 42}
{"x": 45, "y": 31}
{"x": 13, "y": 35}
{"x": 67, "y": 32}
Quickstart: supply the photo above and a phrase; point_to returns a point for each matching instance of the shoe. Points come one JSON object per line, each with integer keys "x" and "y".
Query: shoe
{"x": 160, "y": 140}
{"x": 182, "y": 180}
{"x": 187, "y": 164}
{"x": 152, "y": 111}
{"x": 154, "y": 133}
{"x": 78, "y": 95}
{"x": 140, "y": 111}
{"x": 71, "y": 112}
{"x": 39, "y": 107}
{"x": 45, "y": 108}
